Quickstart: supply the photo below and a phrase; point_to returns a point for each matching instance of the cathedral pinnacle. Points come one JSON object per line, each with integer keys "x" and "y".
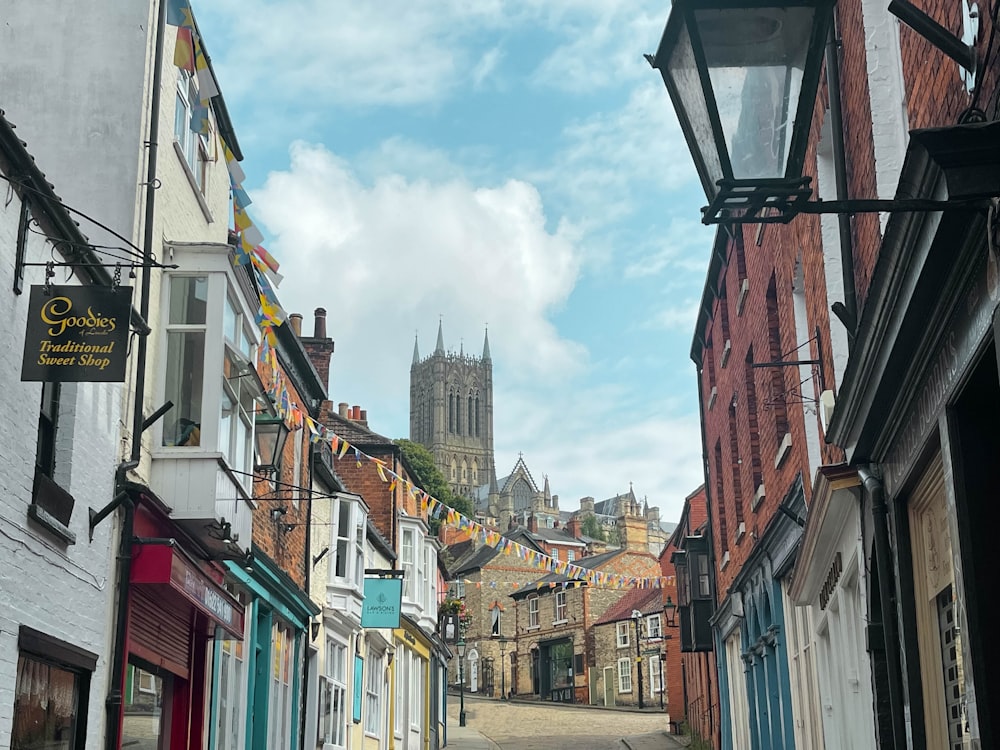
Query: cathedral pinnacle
{"x": 416, "y": 350}
{"x": 486, "y": 346}
{"x": 439, "y": 349}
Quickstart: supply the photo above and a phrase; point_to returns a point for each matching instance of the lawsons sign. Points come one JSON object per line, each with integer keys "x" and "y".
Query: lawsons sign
{"x": 382, "y": 603}
{"x": 77, "y": 334}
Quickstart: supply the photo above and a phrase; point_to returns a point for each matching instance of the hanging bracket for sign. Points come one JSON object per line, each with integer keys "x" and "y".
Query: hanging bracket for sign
{"x": 385, "y": 573}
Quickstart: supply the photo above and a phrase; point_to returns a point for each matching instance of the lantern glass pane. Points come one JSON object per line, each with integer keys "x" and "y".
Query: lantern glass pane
{"x": 755, "y": 59}
{"x": 686, "y": 86}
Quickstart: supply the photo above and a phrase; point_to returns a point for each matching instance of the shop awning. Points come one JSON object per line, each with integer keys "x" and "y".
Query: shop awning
{"x": 163, "y": 566}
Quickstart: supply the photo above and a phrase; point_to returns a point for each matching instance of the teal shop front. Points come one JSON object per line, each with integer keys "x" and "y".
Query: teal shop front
{"x": 257, "y": 685}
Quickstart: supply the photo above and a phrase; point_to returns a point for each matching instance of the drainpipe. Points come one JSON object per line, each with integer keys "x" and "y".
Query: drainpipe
{"x": 886, "y": 584}
{"x": 114, "y": 701}
{"x": 850, "y": 311}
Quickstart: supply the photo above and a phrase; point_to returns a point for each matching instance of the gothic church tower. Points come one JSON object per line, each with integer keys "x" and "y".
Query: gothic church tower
{"x": 451, "y": 413}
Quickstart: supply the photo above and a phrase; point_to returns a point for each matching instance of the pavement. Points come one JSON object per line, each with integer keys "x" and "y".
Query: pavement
{"x": 531, "y": 725}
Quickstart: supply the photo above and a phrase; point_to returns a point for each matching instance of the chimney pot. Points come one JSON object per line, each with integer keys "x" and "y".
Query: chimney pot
{"x": 355, "y": 412}
{"x": 295, "y": 320}
{"x": 319, "y": 330}
{"x": 364, "y": 416}
{"x": 342, "y": 410}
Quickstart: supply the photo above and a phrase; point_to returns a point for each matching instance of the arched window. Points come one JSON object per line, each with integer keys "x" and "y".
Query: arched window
{"x": 465, "y": 471}
{"x": 471, "y": 417}
{"x": 451, "y": 412}
{"x": 477, "y": 415}
{"x": 475, "y": 471}
{"x": 458, "y": 414}
{"x": 454, "y": 470}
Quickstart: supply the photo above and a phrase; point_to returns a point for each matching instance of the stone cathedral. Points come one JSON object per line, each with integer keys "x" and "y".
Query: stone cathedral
{"x": 451, "y": 413}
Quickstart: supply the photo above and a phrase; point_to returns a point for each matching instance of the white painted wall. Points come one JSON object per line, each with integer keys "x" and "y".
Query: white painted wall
{"x": 64, "y": 591}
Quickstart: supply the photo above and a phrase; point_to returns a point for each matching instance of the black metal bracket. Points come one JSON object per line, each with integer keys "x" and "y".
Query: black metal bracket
{"x": 818, "y": 362}
{"x": 385, "y": 572}
{"x": 778, "y": 201}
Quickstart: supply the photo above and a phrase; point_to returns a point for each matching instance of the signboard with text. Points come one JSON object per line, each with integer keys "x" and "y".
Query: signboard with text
{"x": 383, "y": 598}
{"x": 77, "y": 334}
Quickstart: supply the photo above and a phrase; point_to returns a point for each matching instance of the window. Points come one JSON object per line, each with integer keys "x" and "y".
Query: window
{"x": 622, "y": 632}
{"x": 333, "y": 696}
{"x": 624, "y": 675}
{"x": 404, "y": 664}
{"x": 560, "y": 607}
{"x": 280, "y": 715}
{"x": 48, "y": 423}
{"x": 186, "y": 326}
{"x": 51, "y": 693}
{"x": 570, "y": 555}
{"x": 373, "y": 695}
{"x": 704, "y": 583}
{"x": 298, "y": 480}
{"x": 348, "y": 542}
{"x": 406, "y": 551}
{"x": 720, "y": 497}
{"x": 654, "y": 629}
{"x": 533, "y": 612}
{"x": 231, "y": 713}
{"x": 496, "y": 614}
{"x": 655, "y": 674}
{"x": 472, "y": 421}
{"x": 416, "y": 693}
{"x": 189, "y": 130}
{"x": 776, "y": 402}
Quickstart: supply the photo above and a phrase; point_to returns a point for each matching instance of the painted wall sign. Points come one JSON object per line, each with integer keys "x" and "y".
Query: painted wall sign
{"x": 77, "y": 334}
{"x": 381, "y": 607}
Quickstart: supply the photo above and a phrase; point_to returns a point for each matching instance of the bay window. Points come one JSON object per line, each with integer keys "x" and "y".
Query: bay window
{"x": 349, "y": 522}
{"x": 211, "y": 345}
{"x": 406, "y": 552}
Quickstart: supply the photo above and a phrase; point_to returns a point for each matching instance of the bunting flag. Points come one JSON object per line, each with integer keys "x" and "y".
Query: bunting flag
{"x": 207, "y": 89}
{"x": 236, "y": 174}
{"x": 184, "y": 49}
{"x": 199, "y": 119}
{"x": 179, "y": 13}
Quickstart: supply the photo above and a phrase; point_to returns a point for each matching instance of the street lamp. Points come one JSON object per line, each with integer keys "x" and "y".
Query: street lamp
{"x": 670, "y": 612}
{"x": 743, "y": 77}
{"x": 270, "y": 432}
{"x": 636, "y": 614}
{"x": 460, "y": 648}
{"x": 503, "y": 675}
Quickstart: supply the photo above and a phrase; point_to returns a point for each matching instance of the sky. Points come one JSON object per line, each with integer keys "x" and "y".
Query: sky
{"x": 510, "y": 165}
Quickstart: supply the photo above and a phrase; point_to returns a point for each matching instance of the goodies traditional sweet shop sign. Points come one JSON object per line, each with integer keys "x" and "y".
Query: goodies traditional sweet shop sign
{"x": 77, "y": 334}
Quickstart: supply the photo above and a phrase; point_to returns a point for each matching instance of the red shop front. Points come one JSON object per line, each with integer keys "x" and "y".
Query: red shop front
{"x": 175, "y": 605}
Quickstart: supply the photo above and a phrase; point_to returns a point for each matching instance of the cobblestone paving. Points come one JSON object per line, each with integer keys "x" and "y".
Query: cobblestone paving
{"x": 551, "y": 726}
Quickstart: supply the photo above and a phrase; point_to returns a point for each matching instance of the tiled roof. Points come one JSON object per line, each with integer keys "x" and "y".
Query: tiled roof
{"x": 647, "y": 601}
{"x": 354, "y": 432}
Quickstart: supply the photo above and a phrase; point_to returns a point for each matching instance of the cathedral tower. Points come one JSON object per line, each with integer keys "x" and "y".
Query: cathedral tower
{"x": 451, "y": 413}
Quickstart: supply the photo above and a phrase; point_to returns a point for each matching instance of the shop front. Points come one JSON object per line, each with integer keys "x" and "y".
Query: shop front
{"x": 175, "y": 606}
{"x": 412, "y": 709}
{"x": 917, "y": 416}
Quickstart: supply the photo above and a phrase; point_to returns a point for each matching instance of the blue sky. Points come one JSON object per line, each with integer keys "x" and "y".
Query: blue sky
{"x": 510, "y": 164}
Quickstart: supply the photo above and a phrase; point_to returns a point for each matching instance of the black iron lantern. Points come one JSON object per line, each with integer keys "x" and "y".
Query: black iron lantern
{"x": 743, "y": 76}
{"x": 670, "y": 613}
{"x": 270, "y": 433}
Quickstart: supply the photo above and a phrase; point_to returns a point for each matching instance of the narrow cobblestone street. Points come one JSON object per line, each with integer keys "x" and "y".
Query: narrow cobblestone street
{"x": 554, "y": 726}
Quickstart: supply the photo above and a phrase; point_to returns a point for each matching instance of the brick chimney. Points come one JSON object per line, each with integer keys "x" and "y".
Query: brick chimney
{"x": 573, "y": 526}
{"x": 532, "y": 522}
{"x": 319, "y": 346}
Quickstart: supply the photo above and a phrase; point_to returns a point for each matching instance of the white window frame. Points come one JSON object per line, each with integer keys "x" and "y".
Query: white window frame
{"x": 373, "y": 695}
{"x": 333, "y": 683}
{"x": 192, "y": 146}
{"x": 570, "y": 555}
{"x": 623, "y": 636}
{"x": 624, "y": 675}
{"x": 533, "y": 613}
{"x": 655, "y": 685}
{"x": 559, "y": 607}
{"x": 416, "y": 693}
{"x": 654, "y": 627}
{"x": 496, "y": 621}
{"x": 229, "y": 335}
{"x": 347, "y": 542}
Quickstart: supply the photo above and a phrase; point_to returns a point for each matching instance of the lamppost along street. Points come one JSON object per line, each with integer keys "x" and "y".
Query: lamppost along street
{"x": 460, "y": 648}
{"x": 636, "y": 615}
{"x": 503, "y": 674}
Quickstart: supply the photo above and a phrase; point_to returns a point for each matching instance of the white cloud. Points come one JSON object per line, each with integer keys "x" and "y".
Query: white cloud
{"x": 486, "y": 66}
{"x": 391, "y": 256}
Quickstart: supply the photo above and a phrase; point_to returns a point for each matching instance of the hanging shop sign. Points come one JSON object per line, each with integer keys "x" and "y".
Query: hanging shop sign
{"x": 77, "y": 334}
{"x": 383, "y": 598}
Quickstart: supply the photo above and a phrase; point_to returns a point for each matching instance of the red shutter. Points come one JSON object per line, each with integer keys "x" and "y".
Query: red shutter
{"x": 160, "y": 630}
